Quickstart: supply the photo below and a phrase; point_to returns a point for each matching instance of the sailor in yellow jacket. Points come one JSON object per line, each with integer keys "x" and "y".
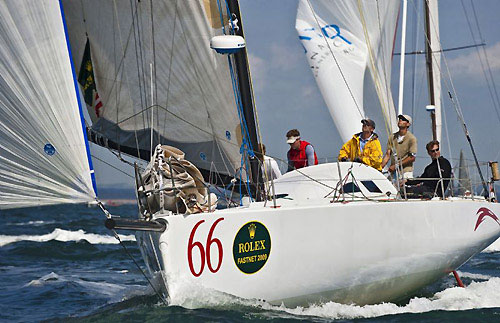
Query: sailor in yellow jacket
{"x": 364, "y": 147}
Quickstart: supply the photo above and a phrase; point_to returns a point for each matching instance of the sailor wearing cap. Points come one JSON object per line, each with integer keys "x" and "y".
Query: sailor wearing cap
{"x": 301, "y": 153}
{"x": 363, "y": 147}
{"x": 401, "y": 148}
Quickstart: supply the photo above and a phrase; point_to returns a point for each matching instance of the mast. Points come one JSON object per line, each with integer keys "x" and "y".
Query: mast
{"x": 245, "y": 87}
{"x": 433, "y": 62}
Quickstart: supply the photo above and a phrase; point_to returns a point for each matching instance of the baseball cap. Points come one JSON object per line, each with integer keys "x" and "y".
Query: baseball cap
{"x": 292, "y": 139}
{"x": 369, "y": 122}
{"x": 405, "y": 117}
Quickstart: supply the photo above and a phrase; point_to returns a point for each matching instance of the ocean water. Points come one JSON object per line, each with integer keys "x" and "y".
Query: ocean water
{"x": 59, "y": 263}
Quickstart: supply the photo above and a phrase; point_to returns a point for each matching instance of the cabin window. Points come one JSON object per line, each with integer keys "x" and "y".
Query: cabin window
{"x": 351, "y": 188}
{"x": 371, "y": 186}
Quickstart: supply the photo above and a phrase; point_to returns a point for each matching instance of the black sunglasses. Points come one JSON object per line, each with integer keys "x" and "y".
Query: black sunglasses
{"x": 434, "y": 150}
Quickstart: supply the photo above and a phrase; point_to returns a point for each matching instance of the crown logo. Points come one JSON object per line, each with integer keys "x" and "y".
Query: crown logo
{"x": 251, "y": 229}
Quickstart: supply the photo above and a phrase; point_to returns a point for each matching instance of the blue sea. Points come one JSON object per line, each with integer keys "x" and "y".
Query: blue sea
{"x": 59, "y": 263}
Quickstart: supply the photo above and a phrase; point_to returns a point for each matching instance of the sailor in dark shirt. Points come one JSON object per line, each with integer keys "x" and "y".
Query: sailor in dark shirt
{"x": 428, "y": 182}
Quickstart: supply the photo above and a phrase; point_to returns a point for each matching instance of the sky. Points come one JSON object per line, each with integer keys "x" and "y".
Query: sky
{"x": 287, "y": 96}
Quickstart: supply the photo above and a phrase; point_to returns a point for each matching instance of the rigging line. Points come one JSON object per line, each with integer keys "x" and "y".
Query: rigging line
{"x": 200, "y": 88}
{"x": 170, "y": 68}
{"x": 121, "y": 61}
{"x": 374, "y": 72}
{"x": 142, "y": 77}
{"x": 155, "y": 83}
{"x": 421, "y": 52}
{"x": 138, "y": 73}
{"x": 336, "y": 62}
{"x": 114, "y": 167}
{"x": 184, "y": 120}
{"x": 489, "y": 81}
{"x": 446, "y": 130}
{"x": 160, "y": 296}
{"x": 117, "y": 237}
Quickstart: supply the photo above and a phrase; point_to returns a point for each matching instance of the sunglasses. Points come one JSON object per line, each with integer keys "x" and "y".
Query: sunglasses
{"x": 434, "y": 150}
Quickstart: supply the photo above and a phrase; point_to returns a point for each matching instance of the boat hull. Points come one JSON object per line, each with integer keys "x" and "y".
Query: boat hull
{"x": 359, "y": 252}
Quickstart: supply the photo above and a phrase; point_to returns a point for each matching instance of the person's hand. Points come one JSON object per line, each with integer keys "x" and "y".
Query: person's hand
{"x": 392, "y": 168}
{"x": 357, "y": 160}
{"x": 343, "y": 159}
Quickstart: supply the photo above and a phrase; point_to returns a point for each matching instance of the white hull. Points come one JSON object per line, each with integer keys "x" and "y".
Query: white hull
{"x": 361, "y": 252}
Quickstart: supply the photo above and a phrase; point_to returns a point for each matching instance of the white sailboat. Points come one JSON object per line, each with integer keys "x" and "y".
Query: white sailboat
{"x": 333, "y": 231}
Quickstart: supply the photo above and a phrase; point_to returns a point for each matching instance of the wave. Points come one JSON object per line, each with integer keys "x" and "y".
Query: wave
{"x": 65, "y": 236}
{"x": 485, "y": 294}
{"x": 33, "y": 223}
{"x": 115, "y": 292}
{"x": 494, "y": 247}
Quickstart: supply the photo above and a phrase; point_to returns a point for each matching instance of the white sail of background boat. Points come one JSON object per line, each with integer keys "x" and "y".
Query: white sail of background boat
{"x": 44, "y": 156}
{"x": 334, "y": 231}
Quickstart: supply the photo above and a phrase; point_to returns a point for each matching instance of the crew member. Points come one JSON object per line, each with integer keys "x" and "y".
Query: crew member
{"x": 301, "y": 153}
{"x": 269, "y": 166}
{"x": 430, "y": 181}
{"x": 364, "y": 147}
{"x": 405, "y": 145}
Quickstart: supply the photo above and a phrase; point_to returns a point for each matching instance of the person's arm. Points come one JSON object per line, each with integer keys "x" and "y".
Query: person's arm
{"x": 275, "y": 169}
{"x": 408, "y": 160}
{"x": 345, "y": 151}
{"x": 310, "y": 155}
{"x": 387, "y": 156}
{"x": 374, "y": 158}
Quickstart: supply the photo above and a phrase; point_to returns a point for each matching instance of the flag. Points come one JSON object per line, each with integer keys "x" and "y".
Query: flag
{"x": 86, "y": 76}
{"x": 97, "y": 105}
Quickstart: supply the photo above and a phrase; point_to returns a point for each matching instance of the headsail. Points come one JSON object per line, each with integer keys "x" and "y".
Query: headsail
{"x": 342, "y": 39}
{"x": 155, "y": 73}
{"x": 43, "y": 149}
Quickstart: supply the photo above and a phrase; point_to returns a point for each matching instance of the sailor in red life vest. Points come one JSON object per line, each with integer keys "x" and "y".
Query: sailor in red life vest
{"x": 301, "y": 153}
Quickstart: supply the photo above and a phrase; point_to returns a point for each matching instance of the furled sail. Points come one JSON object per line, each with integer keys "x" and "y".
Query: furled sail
{"x": 43, "y": 149}
{"x": 343, "y": 39}
{"x": 155, "y": 73}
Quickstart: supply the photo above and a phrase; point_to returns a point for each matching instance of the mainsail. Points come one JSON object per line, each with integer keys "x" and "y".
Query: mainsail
{"x": 342, "y": 40}
{"x": 44, "y": 155}
{"x": 156, "y": 76}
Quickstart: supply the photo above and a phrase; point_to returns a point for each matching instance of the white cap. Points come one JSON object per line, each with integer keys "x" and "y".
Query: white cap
{"x": 292, "y": 139}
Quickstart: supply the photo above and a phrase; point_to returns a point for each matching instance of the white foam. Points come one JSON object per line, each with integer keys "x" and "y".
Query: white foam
{"x": 115, "y": 292}
{"x": 65, "y": 236}
{"x": 476, "y": 295}
{"x": 494, "y": 247}
{"x": 473, "y": 276}
{"x": 34, "y": 223}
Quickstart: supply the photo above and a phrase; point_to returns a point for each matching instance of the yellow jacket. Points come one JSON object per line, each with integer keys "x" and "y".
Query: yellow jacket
{"x": 371, "y": 155}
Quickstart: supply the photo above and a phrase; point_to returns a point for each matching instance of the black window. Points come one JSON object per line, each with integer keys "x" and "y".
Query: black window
{"x": 351, "y": 188}
{"x": 371, "y": 187}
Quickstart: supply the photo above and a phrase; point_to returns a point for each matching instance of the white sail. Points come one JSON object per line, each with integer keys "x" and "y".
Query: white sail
{"x": 160, "y": 57}
{"x": 342, "y": 39}
{"x": 43, "y": 149}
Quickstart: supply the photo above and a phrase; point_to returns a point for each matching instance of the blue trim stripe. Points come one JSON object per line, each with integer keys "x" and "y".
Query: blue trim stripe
{"x": 75, "y": 82}
{"x": 305, "y": 37}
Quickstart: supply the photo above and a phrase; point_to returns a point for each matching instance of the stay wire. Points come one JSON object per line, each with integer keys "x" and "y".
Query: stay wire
{"x": 456, "y": 103}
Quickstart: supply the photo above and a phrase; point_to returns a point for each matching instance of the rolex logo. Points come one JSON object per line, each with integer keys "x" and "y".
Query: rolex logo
{"x": 251, "y": 229}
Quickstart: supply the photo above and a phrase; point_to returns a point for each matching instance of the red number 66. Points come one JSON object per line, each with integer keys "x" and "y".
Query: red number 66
{"x": 204, "y": 250}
